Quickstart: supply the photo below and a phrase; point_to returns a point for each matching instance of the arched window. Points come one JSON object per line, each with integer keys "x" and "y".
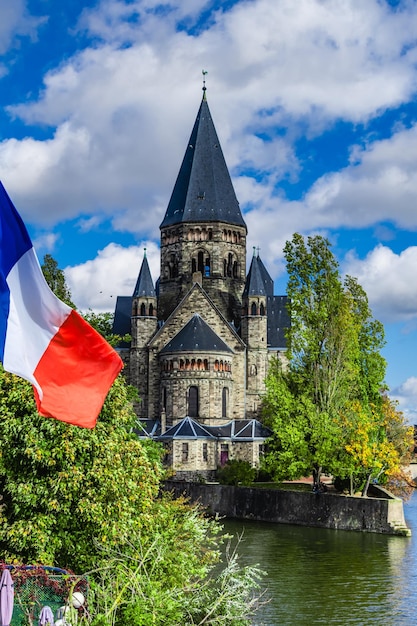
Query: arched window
{"x": 253, "y": 308}
{"x": 142, "y": 309}
{"x": 229, "y": 264}
{"x": 193, "y": 401}
{"x": 151, "y": 309}
{"x": 262, "y": 309}
{"x": 164, "y": 398}
{"x": 193, "y": 266}
{"x": 200, "y": 262}
{"x": 207, "y": 266}
{"x": 225, "y": 401}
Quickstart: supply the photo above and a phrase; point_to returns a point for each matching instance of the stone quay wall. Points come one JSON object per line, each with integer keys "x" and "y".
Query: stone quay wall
{"x": 382, "y": 514}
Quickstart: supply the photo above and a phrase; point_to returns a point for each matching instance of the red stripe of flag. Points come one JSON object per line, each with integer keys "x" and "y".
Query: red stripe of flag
{"x": 75, "y": 373}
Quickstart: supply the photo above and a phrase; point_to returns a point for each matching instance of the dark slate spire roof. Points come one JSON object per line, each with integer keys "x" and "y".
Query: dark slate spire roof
{"x": 257, "y": 283}
{"x": 267, "y": 280}
{"x": 144, "y": 284}
{"x": 196, "y": 335}
{"x": 278, "y": 321}
{"x": 203, "y": 191}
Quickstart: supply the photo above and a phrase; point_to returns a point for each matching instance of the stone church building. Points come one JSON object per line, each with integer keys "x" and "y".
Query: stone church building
{"x": 201, "y": 338}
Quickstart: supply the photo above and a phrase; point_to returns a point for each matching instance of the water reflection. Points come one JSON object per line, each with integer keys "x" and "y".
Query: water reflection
{"x": 318, "y": 576}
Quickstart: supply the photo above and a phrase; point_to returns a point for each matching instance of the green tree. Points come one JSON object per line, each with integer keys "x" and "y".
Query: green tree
{"x": 89, "y": 500}
{"x": 334, "y": 361}
{"x": 55, "y": 278}
{"x": 103, "y": 323}
{"x": 67, "y": 490}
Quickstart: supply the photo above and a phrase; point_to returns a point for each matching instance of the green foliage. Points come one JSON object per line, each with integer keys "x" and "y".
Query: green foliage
{"x": 67, "y": 490}
{"x": 334, "y": 363}
{"x": 103, "y": 323}
{"x": 236, "y": 472}
{"x": 55, "y": 278}
{"x": 147, "y": 585}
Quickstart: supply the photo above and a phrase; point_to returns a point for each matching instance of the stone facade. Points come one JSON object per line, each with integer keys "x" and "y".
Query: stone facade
{"x": 202, "y": 338}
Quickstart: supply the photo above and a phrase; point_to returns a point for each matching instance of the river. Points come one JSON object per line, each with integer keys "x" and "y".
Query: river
{"x": 328, "y": 577}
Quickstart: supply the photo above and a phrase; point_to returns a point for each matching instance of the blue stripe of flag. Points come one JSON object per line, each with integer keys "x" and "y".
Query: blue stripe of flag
{"x": 14, "y": 243}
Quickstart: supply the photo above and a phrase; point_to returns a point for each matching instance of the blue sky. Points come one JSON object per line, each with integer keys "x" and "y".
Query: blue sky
{"x": 315, "y": 104}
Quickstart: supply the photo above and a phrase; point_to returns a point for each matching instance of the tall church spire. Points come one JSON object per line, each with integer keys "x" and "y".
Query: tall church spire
{"x": 144, "y": 284}
{"x": 203, "y": 191}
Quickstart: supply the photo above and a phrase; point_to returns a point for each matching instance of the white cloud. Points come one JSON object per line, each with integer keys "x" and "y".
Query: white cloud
{"x": 97, "y": 283}
{"x": 121, "y": 111}
{"x": 406, "y": 395}
{"x": 389, "y": 280}
{"x": 381, "y": 185}
{"x": 16, "y": 22}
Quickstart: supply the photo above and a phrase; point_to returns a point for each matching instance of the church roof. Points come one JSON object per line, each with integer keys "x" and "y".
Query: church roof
{"x": 255, "y": 280}
{"x": 278, "y": 321}
{"x": 196, "y": 335}
{"x": 144, "y": 284}
{"x": 235, "y": 430}
{"x": 267, "y": 280}
{"x": 203, "y": 191}
{"x": 122, "y": 317}
{"x": 187, "y": 428}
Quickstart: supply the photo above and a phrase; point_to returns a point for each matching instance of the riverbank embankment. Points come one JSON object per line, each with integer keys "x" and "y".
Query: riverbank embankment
{"x": 381, "y": 513}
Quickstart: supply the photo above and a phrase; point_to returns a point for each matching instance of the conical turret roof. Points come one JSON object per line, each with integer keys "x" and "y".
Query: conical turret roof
{"x": 258, "y": 281}
{"x": 144, "y": 284}
{"x": 203, "y": 191}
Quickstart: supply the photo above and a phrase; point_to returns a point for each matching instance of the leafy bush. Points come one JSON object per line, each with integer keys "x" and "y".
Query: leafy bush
{"x": 236, "y": 472}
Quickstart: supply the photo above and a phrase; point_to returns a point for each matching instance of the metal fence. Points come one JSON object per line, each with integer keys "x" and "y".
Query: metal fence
{"x": 39, "y": 586}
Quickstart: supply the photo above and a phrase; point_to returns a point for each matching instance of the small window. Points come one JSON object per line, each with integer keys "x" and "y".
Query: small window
{"x": 193, "y": 401}
{"x": 225, "y": 401}
{"x": 205, "y": 452}
{"x": 200, "y": 262}
{"x": 185, "y": 452}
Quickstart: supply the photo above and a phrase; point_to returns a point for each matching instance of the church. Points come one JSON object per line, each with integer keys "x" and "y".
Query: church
{"x": 202, "y": 336}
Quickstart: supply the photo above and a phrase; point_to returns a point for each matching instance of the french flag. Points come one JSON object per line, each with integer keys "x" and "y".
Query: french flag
{"x": 43, "y": 340}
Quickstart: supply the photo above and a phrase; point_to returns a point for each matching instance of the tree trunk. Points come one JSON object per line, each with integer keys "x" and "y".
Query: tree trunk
{"x": 316, "y": 478}
{"x": 366, "y": 487}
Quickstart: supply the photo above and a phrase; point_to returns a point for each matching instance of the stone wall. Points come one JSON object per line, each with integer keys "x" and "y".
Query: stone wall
{"x": 326, "y": 510}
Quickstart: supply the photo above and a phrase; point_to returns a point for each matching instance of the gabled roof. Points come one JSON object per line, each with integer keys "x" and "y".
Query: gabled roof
{"x": 203, "y": 191}
{"x": 196, "y": 335}
{"x": 241, "y": 430}
{"x": 235, "y": 430}
{"x": 144, "y": 284}
{"x": 187, "y": 429}
{"x": 148, "y": 428}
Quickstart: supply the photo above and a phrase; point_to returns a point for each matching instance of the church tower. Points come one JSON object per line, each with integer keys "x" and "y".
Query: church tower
{"x": 254, "y": 331}
{"x": 143, "y": 327}
{"x": 203, "y": 233}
